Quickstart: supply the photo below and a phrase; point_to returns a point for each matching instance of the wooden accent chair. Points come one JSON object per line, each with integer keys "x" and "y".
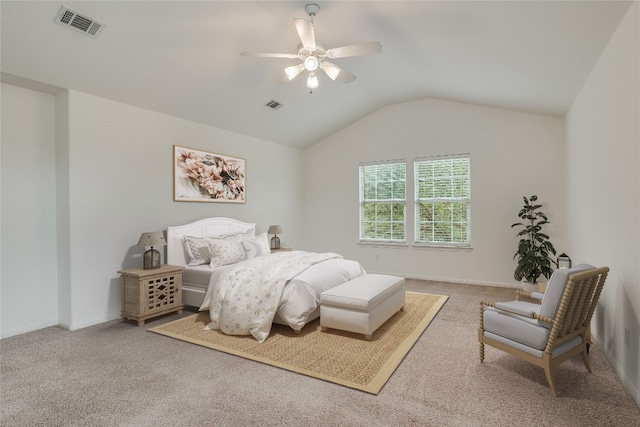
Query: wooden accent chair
{"x": 537, "y": 298}
{"x": 551, "y": 332}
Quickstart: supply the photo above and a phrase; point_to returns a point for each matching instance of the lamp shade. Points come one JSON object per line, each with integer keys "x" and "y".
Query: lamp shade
{"x": 293, "y": 71}
{"x": 331, "y": 70}
{"x": 153, "y": 238}
{"x": 275, "y": 229}
{"x": 312, "y": 81}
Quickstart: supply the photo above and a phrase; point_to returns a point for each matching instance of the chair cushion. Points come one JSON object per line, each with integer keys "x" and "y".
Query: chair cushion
{"x": 523, "y": 308}
{"x": 557, "y": 351}
{"x": 516, "y": 328}
{"x": 555, "y": 289}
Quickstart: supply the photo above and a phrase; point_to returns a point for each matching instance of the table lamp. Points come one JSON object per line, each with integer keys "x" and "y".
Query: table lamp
{"x": 152, "y": 256}
{"x": 275, "y": 240}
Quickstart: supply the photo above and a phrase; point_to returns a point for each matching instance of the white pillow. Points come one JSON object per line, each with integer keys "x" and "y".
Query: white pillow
{"x": 256, "y": 246}
{"x": 226, "y": 251}
{"x": 197, "y": 250}
{"x": 239, "y": 236}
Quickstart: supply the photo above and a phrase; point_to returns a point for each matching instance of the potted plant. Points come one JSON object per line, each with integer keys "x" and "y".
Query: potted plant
{"x": 534, "y": 248}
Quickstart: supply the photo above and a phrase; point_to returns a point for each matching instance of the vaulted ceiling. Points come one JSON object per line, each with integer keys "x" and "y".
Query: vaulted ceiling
{"x": 183, "y": 57}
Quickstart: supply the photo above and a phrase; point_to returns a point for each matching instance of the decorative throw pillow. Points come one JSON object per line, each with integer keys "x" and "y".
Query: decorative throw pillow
{"x": 226, "y": 251}
{"x": 256, "y": 246}
{"x": 197, "y": 250}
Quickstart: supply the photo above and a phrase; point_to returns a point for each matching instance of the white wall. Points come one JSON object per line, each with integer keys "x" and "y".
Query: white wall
{"x": 121, "y": 173}
{"x": 62, "y": 209}
{"x": 512, "y": 155}
{"x": 115, "y": 169}
{"x": 29, "y": 287}
{"x": 603, "y": 163}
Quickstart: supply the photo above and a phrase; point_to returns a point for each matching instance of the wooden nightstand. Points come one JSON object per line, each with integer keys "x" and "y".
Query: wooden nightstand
{"x": 273, "y": 251}
{"x": 151, "y": 293}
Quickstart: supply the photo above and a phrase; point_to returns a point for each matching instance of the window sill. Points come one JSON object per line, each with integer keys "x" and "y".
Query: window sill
{"x": 441, "y": 247}
{"x": 384, "y": 244}
{"x": 419, "y": 246}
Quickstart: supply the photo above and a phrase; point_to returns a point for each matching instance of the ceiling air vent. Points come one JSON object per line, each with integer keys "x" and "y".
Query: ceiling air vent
{"x": 273, "y": 104}
{"x": 78, "y": 22}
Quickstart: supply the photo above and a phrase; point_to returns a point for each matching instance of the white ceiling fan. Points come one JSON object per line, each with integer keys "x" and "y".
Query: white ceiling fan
{"x": 314, "y": 54}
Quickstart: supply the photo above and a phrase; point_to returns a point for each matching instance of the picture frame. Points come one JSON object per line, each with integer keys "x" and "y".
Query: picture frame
{"x": 202, "y": 176}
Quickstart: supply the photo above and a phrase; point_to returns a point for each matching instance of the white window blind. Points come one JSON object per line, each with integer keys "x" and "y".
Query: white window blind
{"x": 383, "y": 202}
{"x": 443, "y": 200}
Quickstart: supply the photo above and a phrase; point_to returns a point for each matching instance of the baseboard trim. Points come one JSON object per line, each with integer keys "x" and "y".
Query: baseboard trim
{"x": 456, "y": 281}
{"x": 30, "y": 328}
{"x": 628, "y": 383}
{"x": 95, "y": 321}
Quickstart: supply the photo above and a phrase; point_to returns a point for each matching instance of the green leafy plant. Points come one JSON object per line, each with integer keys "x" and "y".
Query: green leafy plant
{"x": 534, "y": 248}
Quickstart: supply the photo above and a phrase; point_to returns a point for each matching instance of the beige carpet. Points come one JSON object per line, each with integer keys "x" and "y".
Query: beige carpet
{"x": 340, "y": 357}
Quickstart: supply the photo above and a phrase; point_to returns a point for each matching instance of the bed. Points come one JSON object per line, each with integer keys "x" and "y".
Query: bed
{"x": 299, "y": 300}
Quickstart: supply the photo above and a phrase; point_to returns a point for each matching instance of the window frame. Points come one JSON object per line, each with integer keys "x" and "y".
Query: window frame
{"x": 418, "y": 202}
{"x": 362, "y": 201}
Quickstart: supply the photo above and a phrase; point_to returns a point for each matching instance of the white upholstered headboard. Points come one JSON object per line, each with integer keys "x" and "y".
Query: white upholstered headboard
{"x": 209, "y": 227}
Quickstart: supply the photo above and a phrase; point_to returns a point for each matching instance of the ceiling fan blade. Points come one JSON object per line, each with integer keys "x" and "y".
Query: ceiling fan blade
{"x": 354, "y": 50}
{"x": 336, "y": 73}
{"x": 306, "y": 33}
{"x": 269, "y": 55}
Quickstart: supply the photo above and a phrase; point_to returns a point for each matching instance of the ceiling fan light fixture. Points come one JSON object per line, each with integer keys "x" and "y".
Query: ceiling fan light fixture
{"x": 312, "y": 81}
{"x": 314, "y": 54}
{"x": 293, "y": 71}
{"x": 331, "y": 70}
{"x": 311, "y": 63}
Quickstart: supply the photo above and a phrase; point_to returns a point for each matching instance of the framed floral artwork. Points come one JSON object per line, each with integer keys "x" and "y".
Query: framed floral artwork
{"x": 200, "y": 176}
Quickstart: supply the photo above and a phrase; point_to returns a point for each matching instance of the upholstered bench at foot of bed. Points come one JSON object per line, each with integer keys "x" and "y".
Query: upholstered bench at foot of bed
{"x": 363, "y": 304}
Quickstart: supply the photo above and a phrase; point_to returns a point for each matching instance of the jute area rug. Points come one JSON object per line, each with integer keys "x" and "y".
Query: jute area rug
{"x": 340, "y": 357}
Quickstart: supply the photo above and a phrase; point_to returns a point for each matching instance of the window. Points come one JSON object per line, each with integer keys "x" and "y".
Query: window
{"x": 443, "y": 200}
{"x": 383, "y": 202}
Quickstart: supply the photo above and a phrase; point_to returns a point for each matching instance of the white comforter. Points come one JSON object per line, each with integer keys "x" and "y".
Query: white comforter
{"x": 243, "y": 299}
